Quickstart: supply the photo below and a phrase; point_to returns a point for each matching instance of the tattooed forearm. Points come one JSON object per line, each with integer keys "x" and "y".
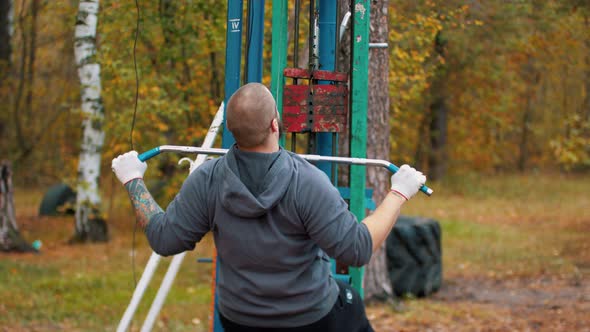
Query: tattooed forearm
{"x": 143, "y": 202}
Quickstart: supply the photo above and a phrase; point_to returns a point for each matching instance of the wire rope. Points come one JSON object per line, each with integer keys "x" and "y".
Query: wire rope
{"x": 138, "y": 17}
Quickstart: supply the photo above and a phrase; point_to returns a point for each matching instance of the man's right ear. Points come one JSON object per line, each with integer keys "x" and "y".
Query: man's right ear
{"x": 274, "y": 125}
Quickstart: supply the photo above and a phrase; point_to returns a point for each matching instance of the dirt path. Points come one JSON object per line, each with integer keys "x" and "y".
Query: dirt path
{"x": 462, "y": 304}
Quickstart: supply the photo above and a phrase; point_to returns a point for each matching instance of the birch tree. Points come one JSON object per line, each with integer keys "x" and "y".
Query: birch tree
{"x": 89, "y": 224}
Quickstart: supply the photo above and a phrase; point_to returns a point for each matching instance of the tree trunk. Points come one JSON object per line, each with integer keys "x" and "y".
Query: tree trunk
{"x": 89, "y": 225}
{"x": 344, "y": 54}
{"x": 437, "y": 165}
{"x": 6, "y": 15}
{"x": 420, "y": 156}
{"x": 20, "y": 86}
{"x": 26, "y": 144}
{"x": 533, "y": 77}
{"x": 377, "y": 284}
{"x": 437, "y": 156}
{"x": 32, "y": 56}
{"x": 587, "y": 83}
{"x": 6, "y": 11}
{"x": 10, "y": 237}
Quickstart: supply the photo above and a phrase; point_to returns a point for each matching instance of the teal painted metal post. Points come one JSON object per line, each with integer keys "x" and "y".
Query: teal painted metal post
{"x": 279, "y": 52}
{"x": 256, "y": 37}
{"x": 327, "y": 48}
{"x": 233, "y": 57}
{"x": 358, "y": 113}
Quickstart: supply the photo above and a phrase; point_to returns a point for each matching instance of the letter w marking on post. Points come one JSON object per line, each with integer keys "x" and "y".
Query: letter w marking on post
{"x": 234, "y": 24}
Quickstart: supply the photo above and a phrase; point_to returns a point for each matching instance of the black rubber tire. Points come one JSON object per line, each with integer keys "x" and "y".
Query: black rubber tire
{"x": 56, "y": 196}
{"x": 414, "y": 259}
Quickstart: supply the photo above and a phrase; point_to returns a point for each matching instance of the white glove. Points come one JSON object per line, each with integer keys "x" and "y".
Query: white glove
{"x": 407, "y": 181}
{"x": 128, "y": 167}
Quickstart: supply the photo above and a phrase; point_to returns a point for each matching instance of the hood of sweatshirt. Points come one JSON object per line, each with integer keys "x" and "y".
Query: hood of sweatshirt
{"x": 238, "y": 200}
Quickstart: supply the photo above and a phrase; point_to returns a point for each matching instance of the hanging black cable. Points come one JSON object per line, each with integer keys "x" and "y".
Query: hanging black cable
{"x": 136, "y": 75}
{"x": 296, "y": 37}
{"x": 248, "y": 40}
{"x": 138, "y": 13}
{"x": 295, "y": 60}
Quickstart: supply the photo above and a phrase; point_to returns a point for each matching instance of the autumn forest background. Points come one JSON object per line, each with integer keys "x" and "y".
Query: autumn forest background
{"x": 490, "y": 98}
{"x": 514, "y": 77}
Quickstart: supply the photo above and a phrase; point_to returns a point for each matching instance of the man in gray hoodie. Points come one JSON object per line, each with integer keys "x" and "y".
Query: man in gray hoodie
{"x": 276, "y": 219}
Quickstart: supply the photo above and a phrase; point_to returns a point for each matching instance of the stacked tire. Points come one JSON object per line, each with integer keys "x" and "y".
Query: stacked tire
{"x": 414, "y": 256}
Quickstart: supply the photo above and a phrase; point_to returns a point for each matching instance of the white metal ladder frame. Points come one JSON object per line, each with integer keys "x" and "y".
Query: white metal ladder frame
{"x": 152, "y": 263}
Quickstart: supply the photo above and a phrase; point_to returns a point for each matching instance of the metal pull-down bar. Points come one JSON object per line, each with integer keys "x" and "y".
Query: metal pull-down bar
{"x": 309, "y": 157}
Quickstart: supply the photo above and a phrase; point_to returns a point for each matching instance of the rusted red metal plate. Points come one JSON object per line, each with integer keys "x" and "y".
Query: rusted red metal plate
{"x": 316, "y": 108}
{"x": 297, "y": 73}
{"x": 296, "y": 99}
{"x": 324, "y": 75}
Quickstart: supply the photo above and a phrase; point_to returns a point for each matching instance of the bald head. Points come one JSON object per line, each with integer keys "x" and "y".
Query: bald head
{"x": 249, "y": 114}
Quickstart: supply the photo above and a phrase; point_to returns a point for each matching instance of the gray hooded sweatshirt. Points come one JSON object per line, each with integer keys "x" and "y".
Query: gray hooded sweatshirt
{"x": 275, "y": 219}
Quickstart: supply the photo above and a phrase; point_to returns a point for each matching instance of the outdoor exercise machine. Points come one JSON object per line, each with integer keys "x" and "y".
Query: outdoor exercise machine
{"x": 318, "y": 105}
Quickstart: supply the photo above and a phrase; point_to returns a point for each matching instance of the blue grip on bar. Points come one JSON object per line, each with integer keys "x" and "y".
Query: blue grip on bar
{"x": 149, "y": 154}
{"x": 392, "y": 168}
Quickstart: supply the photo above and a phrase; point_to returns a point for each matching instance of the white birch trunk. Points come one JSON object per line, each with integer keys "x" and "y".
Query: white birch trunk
{"x": 88, "y": 196}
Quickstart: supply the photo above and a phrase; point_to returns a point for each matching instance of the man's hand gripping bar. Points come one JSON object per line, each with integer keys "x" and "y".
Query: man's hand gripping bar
{"x": 309, "y": 157}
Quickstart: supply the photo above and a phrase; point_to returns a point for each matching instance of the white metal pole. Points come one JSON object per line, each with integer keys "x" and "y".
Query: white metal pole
{"x": 310, "y": 157}
{"x": 150, "y": 319}
{"x": 139, "y": 291}
{"x": 168, "y": 280}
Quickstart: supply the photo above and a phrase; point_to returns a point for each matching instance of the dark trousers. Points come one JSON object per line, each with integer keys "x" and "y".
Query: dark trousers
{"x": 347, "y": 315}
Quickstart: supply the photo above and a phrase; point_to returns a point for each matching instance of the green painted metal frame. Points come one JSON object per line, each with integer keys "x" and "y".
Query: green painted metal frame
{"x": 358, "y": 116}
{"x": 358, "y": 98}
{"x": 280, "y": 16}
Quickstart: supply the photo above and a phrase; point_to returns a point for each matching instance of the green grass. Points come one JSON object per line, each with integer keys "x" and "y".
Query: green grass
{"x": 512, "y": 225}
{"x": 88, "y": 287}
{"x": 503, "y": 251}
{"x": 89, "y": 296}
{"x": 492, "y": 227}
